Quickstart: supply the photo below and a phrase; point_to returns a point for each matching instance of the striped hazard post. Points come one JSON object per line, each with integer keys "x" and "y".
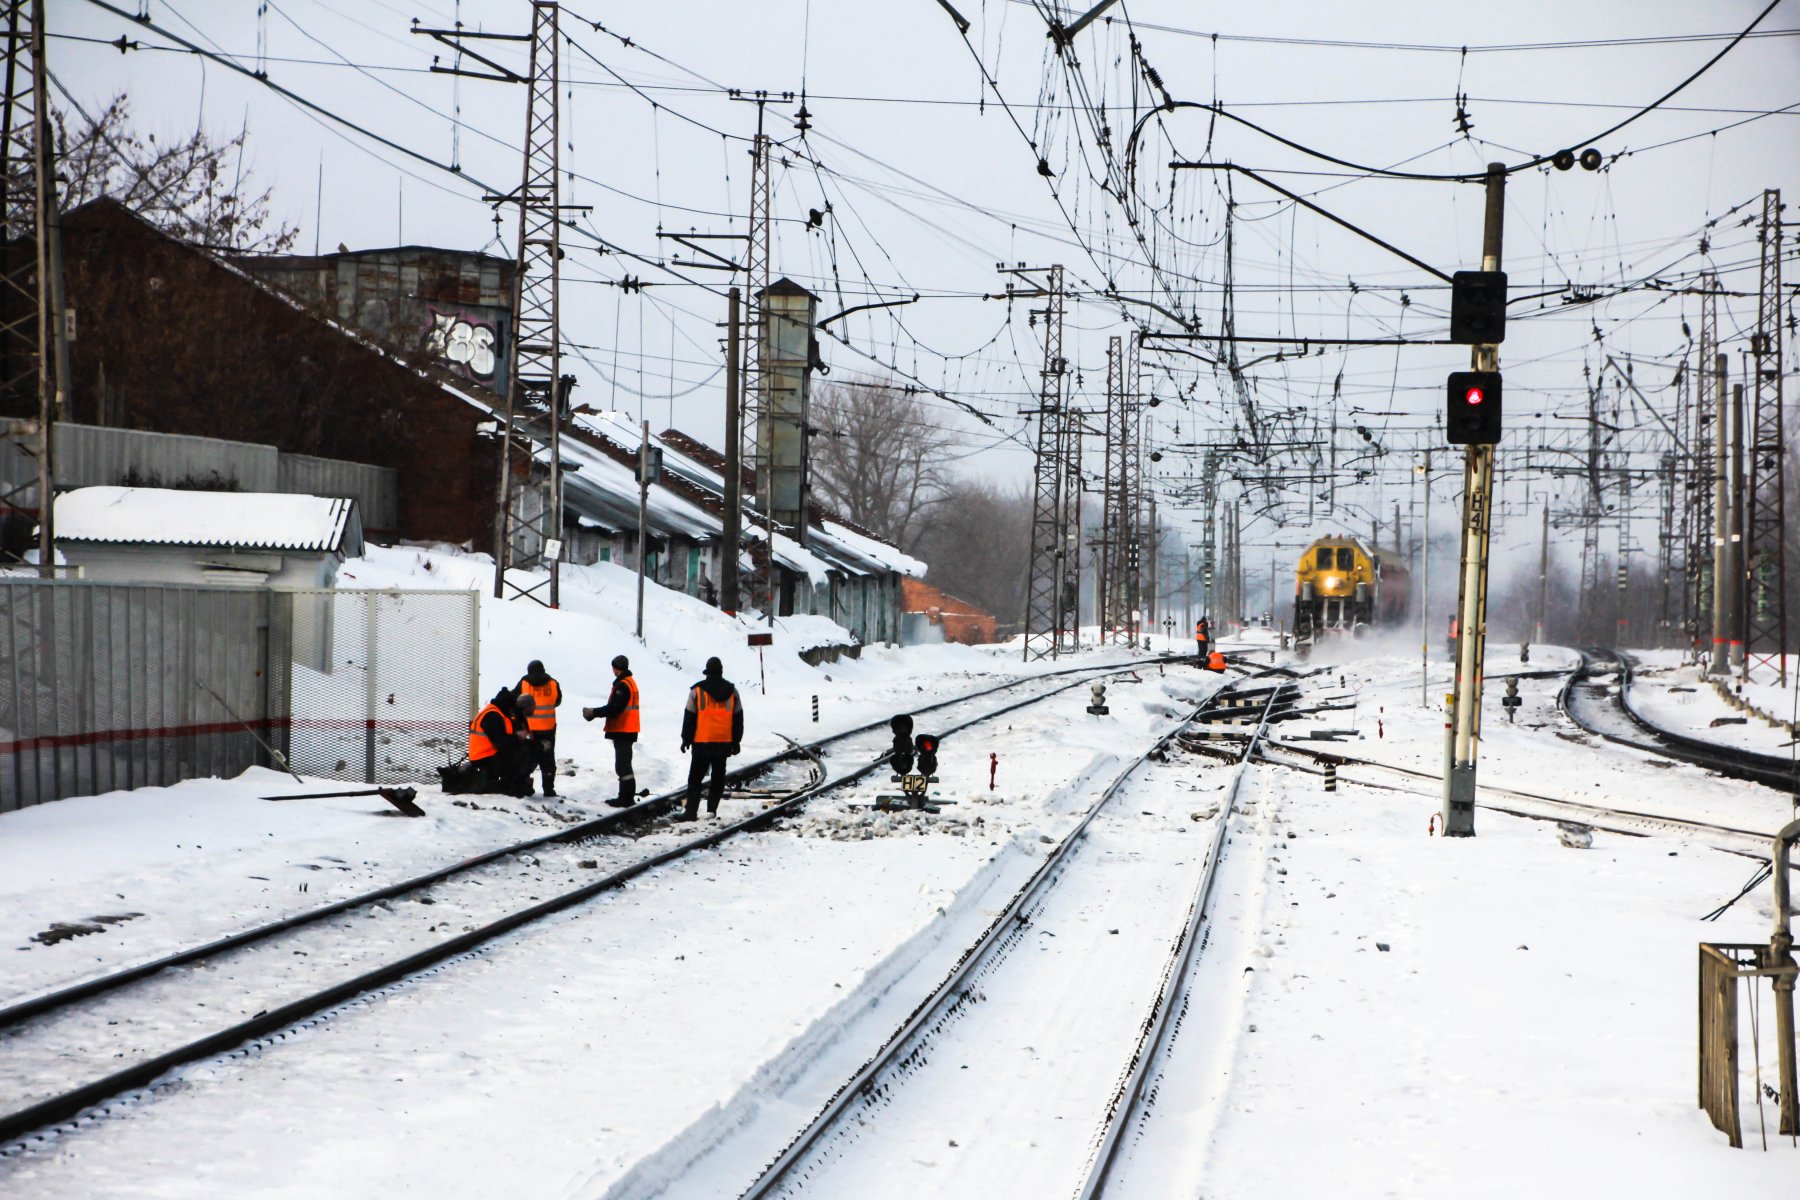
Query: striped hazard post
{"x": 1331, "y": 774}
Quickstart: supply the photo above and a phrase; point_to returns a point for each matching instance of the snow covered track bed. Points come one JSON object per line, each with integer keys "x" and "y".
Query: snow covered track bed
{"x": 132, "y": 1027}
{"x": 1598, "y": 698}
{"x": 1058, "y": 1009}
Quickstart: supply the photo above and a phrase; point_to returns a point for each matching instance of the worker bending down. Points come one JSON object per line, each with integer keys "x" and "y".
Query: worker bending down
{"x": 499, "y": 759}
{"x": 713, "y": 725}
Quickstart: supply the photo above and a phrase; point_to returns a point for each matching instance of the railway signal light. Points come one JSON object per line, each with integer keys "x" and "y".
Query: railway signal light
{"x": 1472, "y": 416}
{"x": 927, "y": 746}
{"x": 901, "y": 759}
{"x": 1478, "y": 308}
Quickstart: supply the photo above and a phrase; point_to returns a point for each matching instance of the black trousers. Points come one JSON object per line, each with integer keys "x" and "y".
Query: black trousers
{"x": 543, "y": 748}
{"x": 708, "y": 756}
{"x": 1201, "y": 653}
{"x": 622, "y": 744}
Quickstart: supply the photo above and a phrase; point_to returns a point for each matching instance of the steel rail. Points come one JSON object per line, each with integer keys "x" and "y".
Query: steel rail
{"x": 1159, "y": 1027}
{"x": 37, "y": 1006}
{"x": 69, "y": 1104}
{"x": 857, "y": 1085}
{"x": 1686, "y": 823}
{"x": 1766, "y": 769}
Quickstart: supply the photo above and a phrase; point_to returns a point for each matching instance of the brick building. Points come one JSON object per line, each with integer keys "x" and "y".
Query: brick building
{"x": 931, "y": 615}
{"x": 171, "y": 339}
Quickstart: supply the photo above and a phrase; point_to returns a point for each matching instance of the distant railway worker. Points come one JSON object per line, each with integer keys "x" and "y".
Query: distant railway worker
{"x": 621, "y": 715}
{"x": 1202, "y": 640}
{"x": 498, "y": 760}
{"x": 713, "y": 726}
{"x": 545, "y": 695}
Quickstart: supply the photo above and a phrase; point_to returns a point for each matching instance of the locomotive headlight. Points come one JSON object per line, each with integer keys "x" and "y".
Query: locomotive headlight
{"x": 1331, "y": 581}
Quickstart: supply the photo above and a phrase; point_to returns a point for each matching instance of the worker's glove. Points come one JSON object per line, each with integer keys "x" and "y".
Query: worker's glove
{"x": 733, "y": 750}
{"x": 686, "y": 746}
{"x": 589, "y": 713}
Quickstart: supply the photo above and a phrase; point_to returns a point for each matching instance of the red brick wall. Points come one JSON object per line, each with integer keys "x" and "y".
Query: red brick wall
{"x": 182, "y": 344}
{"x": 962, "y": 621}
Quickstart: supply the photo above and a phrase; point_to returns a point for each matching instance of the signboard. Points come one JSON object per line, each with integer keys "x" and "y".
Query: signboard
{"x": 762, "y": 639}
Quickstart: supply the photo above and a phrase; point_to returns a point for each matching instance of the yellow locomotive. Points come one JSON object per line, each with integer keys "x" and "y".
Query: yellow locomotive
{"x": 1342, "y": 587}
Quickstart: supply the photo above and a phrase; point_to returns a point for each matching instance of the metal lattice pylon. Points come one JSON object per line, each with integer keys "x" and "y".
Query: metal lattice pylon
{"x": 528, "y": 525}
{"x": 1043, "y": 585}
{"x": 33, "y": 357}
{"x": 1700, "y": 470}
{"x": 1766, "y": 603}
{"x": 1114, "y": 523}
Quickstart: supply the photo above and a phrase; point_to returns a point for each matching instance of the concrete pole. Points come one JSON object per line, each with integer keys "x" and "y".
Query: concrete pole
{"x": 643, "y": 466}
{"x": 1543, "y": 596}
{"x": 1425, "y": 596}
{"x": 1739, "y": 612}
{"x": 1721, "y": 480}
{"x": 1478, "y": 498}
{"x": 731, "y": 546}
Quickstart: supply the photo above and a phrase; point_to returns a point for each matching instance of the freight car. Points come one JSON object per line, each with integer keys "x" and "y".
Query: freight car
{"x": 1342, "y": 587}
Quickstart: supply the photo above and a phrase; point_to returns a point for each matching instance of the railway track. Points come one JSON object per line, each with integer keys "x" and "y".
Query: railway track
{"x": 1539, "y": 807}
{"x": 1598, "y": 698}
{"x": 856, "y": 1104}
{"x": 255, "y": 984}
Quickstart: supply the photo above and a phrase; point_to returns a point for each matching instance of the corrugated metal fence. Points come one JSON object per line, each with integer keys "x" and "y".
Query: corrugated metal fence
{"x": 93, "y": 455}
{"x": 110, "y": 686}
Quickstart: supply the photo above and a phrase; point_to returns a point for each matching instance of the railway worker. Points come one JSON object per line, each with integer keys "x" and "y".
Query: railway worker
{"x": 1202, "y": 639}
{"x": 545, "y": 694}
{"x": 621, "y": 715}
{"x": 498, "y": 760}
{"x": 713, "y": 726}
{"x": 1215, "y": 662}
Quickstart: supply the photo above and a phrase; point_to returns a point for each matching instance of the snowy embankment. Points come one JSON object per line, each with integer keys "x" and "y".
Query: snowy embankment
{"x": 1678, "y": 696}
{"x": 1500, "y": 1016}
{"x": 185, "y": 864}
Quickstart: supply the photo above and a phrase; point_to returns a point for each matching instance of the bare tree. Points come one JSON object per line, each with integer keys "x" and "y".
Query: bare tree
{"x": 196, "y": 189}
{"x": 878, "y": 457}
{"x": 978, "y": 544}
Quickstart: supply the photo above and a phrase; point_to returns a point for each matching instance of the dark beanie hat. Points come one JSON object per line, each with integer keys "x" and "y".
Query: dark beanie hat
{"x": 714, "y": 667}
{"x": 621, "y": 663}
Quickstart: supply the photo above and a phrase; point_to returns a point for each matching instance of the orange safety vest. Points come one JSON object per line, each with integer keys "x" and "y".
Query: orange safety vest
{"x": 1200, "y": 631}
{"x": 480, "y": 746}
{"x": 627, "y": 721}
{"x": 712, "y": 718}
{"x": 1215, "y": 661}
{"x": 543, "y": 717}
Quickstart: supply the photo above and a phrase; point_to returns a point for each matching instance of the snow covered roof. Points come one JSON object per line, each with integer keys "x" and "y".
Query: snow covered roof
{"x": 838, "y": 546}
{"x": 172, "y": 517}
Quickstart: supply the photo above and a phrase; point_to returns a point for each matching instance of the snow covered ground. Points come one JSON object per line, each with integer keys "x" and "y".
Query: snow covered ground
{"x": 1377, "y": 1012}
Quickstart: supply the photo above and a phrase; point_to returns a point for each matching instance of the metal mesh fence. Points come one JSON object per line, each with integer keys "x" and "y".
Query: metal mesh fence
{"x": 110, "y": 686}
{"x": 379, "y": 686}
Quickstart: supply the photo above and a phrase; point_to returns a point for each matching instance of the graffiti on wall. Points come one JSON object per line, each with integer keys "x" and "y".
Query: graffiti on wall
{"x": 469, "y": 344}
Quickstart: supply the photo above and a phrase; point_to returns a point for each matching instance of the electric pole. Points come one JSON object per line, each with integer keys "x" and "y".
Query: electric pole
{"x": 528, "y": 535}
{"x": 732, "y": 543}
{"x": 34, "y": 351}
{"x": 1766, "y": 604}
{"x": 1478, "y": 495}
{"x": 1049, "y": 542}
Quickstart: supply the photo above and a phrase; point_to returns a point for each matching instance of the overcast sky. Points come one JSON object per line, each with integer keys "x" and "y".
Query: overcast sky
{"x": 927, "y": 183}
